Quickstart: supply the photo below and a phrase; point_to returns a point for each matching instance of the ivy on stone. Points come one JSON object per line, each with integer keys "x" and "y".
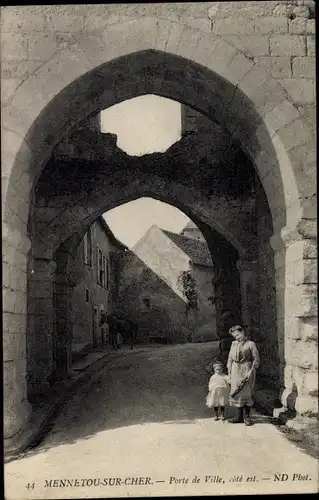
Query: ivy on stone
{"x": 187, "y": 284}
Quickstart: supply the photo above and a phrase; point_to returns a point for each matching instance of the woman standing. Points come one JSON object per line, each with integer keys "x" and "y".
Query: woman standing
{"x": 243, "y": 361}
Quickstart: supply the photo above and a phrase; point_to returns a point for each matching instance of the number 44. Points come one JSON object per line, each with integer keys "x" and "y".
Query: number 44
{"x": 30, "y": 486}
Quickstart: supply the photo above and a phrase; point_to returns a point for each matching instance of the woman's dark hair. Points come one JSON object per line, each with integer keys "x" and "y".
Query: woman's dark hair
{"x": 236, "y": 328}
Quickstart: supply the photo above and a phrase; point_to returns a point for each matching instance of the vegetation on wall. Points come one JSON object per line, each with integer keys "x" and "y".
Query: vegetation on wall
{"x": 211, "y": 299}
{"x": 187, "y": 285}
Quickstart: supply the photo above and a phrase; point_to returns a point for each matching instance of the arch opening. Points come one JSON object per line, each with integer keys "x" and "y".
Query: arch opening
{"x": 158, "y": 73}
{"x": 147, "y": 287}
{"x": 166, "y": 75}
{"x": 143, "y": 125}
{"x": 230, "y": 204}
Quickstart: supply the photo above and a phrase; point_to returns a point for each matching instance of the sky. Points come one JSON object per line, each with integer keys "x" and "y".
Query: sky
{"x": 130, "y": 221}
{"x": 145, "y": 124}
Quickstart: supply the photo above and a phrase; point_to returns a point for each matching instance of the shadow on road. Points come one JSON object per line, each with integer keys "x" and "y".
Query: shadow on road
{"x": 167, "y": 385}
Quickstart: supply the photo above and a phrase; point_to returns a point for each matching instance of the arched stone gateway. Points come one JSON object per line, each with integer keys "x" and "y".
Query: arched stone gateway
{"x": 73, "y": 77}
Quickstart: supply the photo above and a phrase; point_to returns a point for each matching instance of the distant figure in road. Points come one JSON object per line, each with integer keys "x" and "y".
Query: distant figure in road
{"x": 113, "y": 331}
{"x": 104, "y": 327}
{"x": 128, "y": 330}
{"x": 243, "y": 361}
{"x": 218, "y": 394}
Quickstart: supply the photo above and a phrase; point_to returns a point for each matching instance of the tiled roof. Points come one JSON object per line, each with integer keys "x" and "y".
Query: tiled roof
{"x": 197, "y": 251}
{"x": 190, "y": 225}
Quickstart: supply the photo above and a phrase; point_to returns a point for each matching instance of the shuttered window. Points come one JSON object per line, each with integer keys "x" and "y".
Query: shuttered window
{"x": 87, "y": 247}
{"x": 98, "y": 263}
{"x": 107, "y": 273}
{"x": 104, "y": 272}
{"x": 101, "y": 268}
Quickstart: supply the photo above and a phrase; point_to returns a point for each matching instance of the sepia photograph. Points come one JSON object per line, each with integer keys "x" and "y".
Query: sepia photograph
{"x": 159, "y": 249}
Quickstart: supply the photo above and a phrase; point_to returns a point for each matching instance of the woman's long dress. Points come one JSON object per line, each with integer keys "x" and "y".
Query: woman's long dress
{"x": 242, "y": 357}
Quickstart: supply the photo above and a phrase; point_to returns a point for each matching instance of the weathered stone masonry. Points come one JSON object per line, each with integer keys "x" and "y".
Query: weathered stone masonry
{"x": 248, "y": 66}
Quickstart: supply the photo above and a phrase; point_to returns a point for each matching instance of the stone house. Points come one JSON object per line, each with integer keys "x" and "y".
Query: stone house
{"x": 95, "y": 281}
{"x": 150, "y": 290}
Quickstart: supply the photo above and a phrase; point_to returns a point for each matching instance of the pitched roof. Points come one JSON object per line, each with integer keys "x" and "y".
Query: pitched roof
{"x": 190, "y": 225}
{"x": 197, "y": 251}
{"x": 109, "y": 233}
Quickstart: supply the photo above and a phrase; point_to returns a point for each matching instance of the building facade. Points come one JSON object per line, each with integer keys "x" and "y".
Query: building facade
{"x": 151, "y": 290}
{"x": 94, "y": 288}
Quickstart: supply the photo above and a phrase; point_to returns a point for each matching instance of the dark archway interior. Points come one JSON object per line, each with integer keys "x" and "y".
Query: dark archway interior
{"x": 147, "y": 72}
{"x": 206, "y": 174}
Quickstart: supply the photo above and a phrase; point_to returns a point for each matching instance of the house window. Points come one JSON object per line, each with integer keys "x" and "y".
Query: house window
{"x": 106, "y": 273}
{"x": 146, "y": 303}
{"x": 88, "y": 248}
{"x": 98, "y": 263}
{"x": 87, "y": 296}
{"x": 108, "y": 270}
{"x": 102, "y": 269}
{"x": 99, "y": 267}
{"x": 103, "y": 266}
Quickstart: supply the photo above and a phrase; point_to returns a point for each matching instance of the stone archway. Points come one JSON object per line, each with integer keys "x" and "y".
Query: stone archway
{"x": 211, "y": 76}
{"x": 106, "y": 177}
{"x": 57, "y": 349}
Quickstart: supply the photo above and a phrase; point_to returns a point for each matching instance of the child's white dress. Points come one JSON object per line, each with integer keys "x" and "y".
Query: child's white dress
{"x": 219, "y": 389}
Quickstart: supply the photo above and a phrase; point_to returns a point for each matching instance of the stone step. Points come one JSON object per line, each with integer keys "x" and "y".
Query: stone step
{"x": 267, "y": 399}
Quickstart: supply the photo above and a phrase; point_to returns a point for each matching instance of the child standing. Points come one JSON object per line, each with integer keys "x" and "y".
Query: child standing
{"x": 218, "y": 394}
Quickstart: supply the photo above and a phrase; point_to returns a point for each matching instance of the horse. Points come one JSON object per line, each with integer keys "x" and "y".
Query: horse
{"x": 127, "y": 329}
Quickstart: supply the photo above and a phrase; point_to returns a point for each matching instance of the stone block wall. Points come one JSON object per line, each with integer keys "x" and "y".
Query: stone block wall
{"x": 206, "y": 329}
{"x": 271, "y": 367}
{"x": 192, "y": 120}
{"x": 278, "y": 37}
